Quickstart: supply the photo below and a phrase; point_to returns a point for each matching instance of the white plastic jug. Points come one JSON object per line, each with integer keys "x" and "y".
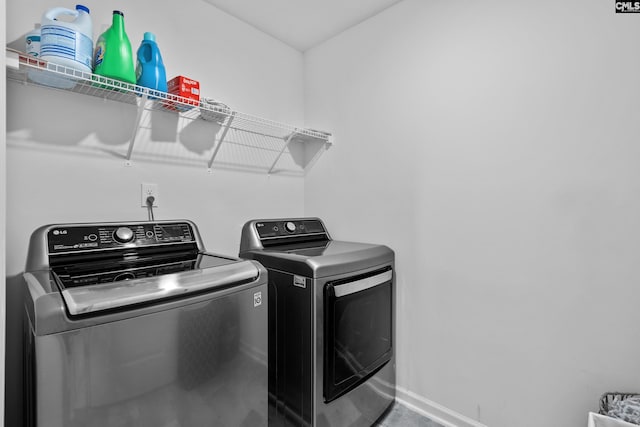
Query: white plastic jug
{"x": 32, "y": 41}
{"x": 67, "y": 43}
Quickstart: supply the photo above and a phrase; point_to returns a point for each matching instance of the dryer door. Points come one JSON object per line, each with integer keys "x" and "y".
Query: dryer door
{"x": 358, "y": 330}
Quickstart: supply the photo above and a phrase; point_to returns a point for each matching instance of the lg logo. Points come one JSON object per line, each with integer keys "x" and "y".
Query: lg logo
{"x": 628, "y": 7}
{"x": 257, "y": 299}
{"x": 59, "y": 232}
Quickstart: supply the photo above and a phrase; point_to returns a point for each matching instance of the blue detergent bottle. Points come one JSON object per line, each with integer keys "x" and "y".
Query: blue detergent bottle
{"x": 150, "y": 71}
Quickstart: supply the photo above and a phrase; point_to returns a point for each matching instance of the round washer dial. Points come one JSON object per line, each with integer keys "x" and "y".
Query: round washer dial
{"x": 290, "y": 226}
{"x": 123, "y": 234}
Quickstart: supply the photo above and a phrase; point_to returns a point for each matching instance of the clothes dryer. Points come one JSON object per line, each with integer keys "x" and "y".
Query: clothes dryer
{"x": 331, "y": 323}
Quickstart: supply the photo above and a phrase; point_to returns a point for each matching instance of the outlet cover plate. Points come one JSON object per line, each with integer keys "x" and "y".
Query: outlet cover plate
{"x": 149, "y": 190}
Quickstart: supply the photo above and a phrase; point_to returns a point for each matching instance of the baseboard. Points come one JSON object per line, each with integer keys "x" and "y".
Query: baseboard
{"x": 434, "y": 411}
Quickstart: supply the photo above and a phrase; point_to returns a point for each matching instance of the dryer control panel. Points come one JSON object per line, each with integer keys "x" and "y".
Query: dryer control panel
{"x": 283, "y": 228}
{"x": 259, "y": 234}
{"x": 81, "y": 238}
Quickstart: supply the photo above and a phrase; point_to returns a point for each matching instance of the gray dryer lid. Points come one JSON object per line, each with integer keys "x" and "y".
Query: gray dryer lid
{"x": 323, "y": 258}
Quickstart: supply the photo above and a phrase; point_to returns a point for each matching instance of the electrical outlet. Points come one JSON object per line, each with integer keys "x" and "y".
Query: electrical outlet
{"x": 149, "y": 190}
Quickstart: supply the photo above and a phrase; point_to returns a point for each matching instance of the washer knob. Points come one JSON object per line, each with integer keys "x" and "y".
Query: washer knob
{"x": 290, "y": 226}
{"x": 123, "y": 234}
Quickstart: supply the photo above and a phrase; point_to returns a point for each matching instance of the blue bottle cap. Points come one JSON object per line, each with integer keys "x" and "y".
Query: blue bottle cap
{"x": 82, "y": 7}
{"x": 149, "y": 36}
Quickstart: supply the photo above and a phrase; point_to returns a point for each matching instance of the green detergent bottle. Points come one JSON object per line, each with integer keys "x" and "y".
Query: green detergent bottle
{"x": 113, "y": 56}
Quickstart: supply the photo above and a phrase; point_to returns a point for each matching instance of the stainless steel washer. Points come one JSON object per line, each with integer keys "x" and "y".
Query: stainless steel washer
{"x": 134, "y": 324}
{"x": 331, "y": 323}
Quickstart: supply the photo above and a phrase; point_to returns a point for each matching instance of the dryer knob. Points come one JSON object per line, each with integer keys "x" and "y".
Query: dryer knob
{"x": 123, "y": 234}
{"x": 290, "y": 226}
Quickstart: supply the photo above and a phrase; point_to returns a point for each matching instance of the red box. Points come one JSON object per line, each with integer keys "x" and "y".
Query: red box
{"x": 186, "y": 88}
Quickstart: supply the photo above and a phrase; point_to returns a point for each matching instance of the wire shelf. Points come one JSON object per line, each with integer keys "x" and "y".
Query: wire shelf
{"x": 240, "y": 128}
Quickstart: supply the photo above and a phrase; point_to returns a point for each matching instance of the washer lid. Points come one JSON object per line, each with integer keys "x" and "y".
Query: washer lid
{"x": 134, "y": 266}
{"x": 91, "y": 299}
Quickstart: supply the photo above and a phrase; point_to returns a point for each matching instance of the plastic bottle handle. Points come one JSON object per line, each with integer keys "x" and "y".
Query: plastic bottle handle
{"x": 144, "y": 51}
{"x": 51, "y": 14}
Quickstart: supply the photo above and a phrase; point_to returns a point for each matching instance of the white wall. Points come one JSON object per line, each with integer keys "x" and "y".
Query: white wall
{"x": 61, "y": 164}
{"x": 494, "y": 146}
{"x": 56, "y": 175}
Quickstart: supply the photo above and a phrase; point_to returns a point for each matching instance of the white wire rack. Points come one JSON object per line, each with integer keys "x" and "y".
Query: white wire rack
{"x": 234, "y": 127}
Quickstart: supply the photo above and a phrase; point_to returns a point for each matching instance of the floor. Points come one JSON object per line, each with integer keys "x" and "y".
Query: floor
{"x": 401, "y": 416}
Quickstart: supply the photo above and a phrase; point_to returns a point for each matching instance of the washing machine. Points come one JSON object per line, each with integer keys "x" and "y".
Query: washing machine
{"x": 136, "y": 324}
{"x": 331, "y": 323}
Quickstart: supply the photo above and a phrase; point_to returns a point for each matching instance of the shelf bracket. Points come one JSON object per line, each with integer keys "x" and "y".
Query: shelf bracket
{"x": 142, "y": 103}
{"x": 222, "y": 137}
{"x": 315, "y": 157}
{"x": 286, "y": 144}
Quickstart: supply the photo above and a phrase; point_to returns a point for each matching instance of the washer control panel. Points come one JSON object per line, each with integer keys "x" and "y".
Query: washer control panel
{"x": 284, "y": 228}
{"x": 79, "y": 238}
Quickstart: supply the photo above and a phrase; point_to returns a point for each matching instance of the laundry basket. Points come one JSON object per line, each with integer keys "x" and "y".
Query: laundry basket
{"x": 608, "y": 398}
{"x": 611, "y": 399}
